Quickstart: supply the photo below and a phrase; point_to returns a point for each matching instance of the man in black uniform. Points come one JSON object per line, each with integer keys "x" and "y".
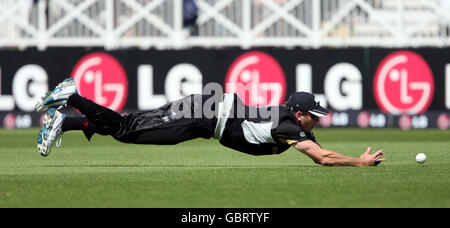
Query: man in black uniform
{"x": 252, "y": 130}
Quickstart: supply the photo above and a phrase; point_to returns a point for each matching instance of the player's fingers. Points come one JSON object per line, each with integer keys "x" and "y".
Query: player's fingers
{"x": 368, "y": 150}
{"x": 378, "y": 154}
{"x": 377, "y": 162}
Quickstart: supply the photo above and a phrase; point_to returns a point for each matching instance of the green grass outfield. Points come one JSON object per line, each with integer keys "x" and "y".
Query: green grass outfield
{"x": 202, "y": 173}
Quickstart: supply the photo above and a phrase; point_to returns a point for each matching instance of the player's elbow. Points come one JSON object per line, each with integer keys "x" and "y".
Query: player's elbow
{"x": 316, "y": 153}
{"x": 324, "y": 160}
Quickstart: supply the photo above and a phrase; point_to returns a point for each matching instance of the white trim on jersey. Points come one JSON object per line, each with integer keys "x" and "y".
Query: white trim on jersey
{"x": 257, "y": 133}
{"x": 223, "y": 114}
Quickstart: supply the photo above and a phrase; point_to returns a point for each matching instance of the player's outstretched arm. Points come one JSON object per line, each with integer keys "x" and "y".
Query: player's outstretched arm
{"x": 331, "y": 158}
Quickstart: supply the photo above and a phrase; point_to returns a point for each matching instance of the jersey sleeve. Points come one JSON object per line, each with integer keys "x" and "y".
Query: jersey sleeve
{"x": 289, "y": 133}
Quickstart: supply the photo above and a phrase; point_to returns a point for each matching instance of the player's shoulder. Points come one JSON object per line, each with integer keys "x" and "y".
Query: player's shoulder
{"x": 289, "y": 129}
{"x": 285, "y": 114}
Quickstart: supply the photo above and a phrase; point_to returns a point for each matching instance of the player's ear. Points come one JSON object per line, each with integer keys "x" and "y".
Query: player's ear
{"x": 298, "y": 115}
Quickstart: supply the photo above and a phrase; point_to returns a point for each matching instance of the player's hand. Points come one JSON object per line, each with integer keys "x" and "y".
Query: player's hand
{"x": 369, "y": 159}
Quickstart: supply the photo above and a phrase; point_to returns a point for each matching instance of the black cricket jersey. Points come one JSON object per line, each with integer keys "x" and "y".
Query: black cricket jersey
{"x": 257, "y": 130}
{"x": 252, "y": 130}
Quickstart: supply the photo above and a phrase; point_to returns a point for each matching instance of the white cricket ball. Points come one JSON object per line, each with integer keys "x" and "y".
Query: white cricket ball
{"x": 421, "y": 158}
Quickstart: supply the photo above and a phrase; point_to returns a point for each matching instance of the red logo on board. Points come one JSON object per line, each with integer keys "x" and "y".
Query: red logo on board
{"x": 363, "y": 119}
{"x": 403, "y": 84}
{"x": 327, "y": 120}
{"x": 405, "y": 122}
{"x": 443, "y": 121}
{"x": 258, "y": 79}
{"x": 102, "y": 79}
{"x": 9, "y": 122}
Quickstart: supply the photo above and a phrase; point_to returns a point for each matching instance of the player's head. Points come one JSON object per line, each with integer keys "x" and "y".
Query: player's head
{"x": 306, "y": 109}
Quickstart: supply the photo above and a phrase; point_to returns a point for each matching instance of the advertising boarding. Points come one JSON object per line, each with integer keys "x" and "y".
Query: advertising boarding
{"x": 363, "y": 87}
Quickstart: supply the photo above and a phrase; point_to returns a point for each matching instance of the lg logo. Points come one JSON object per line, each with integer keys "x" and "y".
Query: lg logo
{"x": 258, "y": 79}
{"x": 403, "y": 84}
{"x": 102, "y": 79}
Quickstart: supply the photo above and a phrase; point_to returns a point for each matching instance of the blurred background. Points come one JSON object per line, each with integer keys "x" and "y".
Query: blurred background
{"x": 373, "y": 63}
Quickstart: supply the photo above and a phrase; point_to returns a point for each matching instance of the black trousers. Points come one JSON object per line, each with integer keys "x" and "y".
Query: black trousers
{"x": 166, "y": 125}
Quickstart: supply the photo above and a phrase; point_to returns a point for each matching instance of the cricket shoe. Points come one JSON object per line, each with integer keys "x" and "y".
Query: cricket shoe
{"x": 50, "y": 132}
{"x": 58, "y": 96}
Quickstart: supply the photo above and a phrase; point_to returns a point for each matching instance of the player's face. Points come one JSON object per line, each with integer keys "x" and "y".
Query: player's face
{"x": 307, "y": 120}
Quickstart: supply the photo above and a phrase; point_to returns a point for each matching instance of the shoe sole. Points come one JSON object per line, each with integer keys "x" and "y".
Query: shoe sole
{"x": 47, "y": 100}
{"x": 41, "y": 146}
{"x": 49, "y": 120}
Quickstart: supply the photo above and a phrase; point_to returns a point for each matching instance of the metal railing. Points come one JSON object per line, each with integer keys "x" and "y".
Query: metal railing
{"x": 115, "y": 24}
